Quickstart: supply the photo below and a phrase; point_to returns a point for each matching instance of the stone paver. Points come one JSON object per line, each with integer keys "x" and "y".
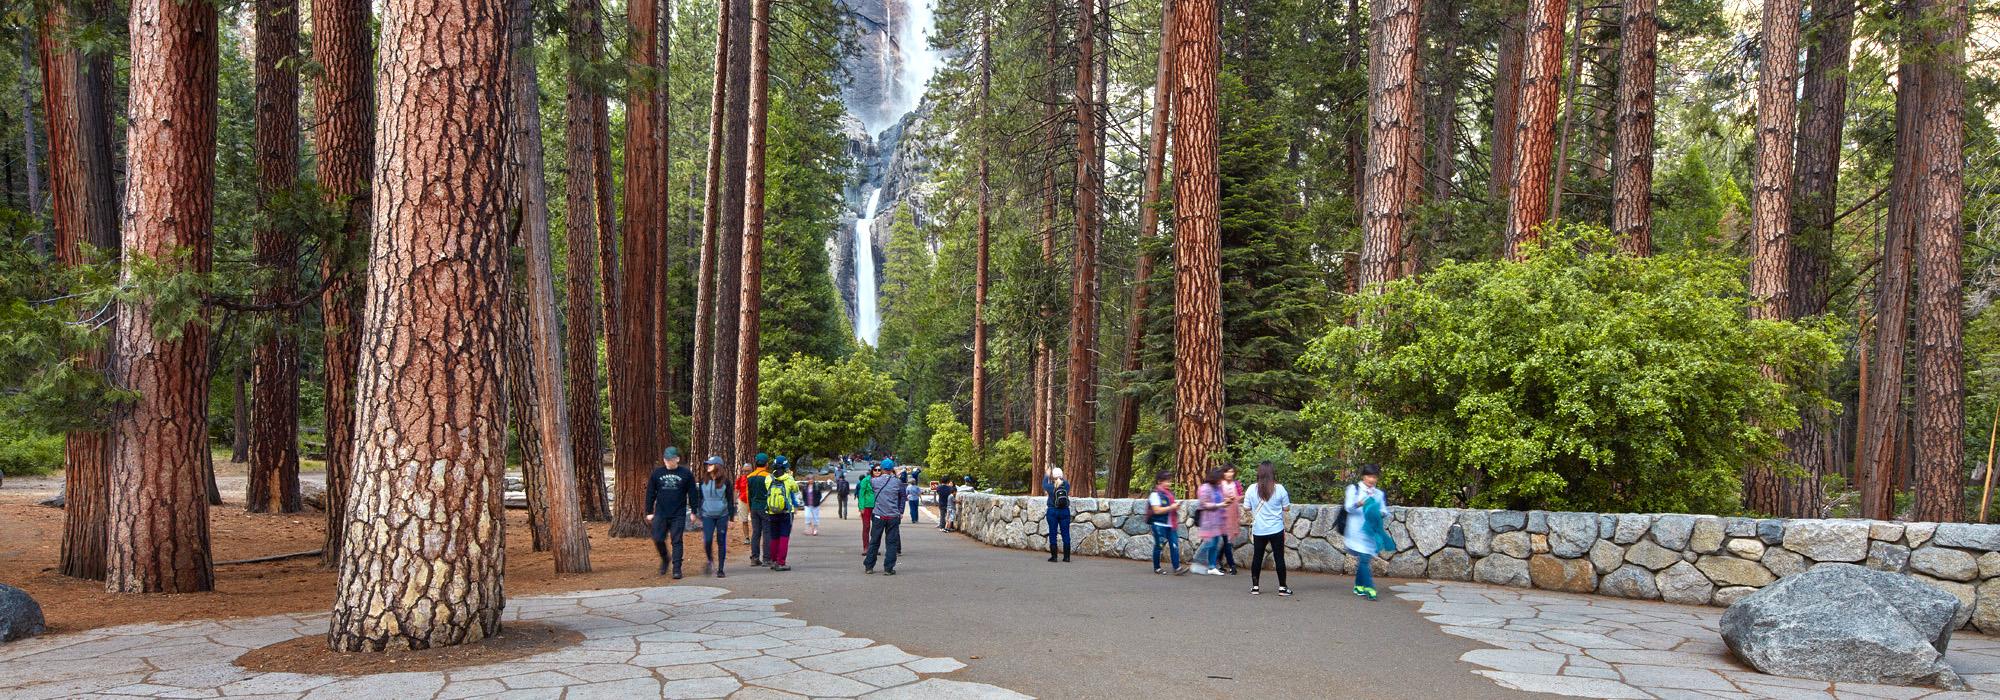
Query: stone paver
{"x": 1599, "y": 647}
{"x": 667, "y": 642}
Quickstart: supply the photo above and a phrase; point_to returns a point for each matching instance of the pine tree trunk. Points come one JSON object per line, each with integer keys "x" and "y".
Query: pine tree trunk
{"x": 424, "y": 553}
{"x": 1393, "y": 136}
{"x": 550, "y": 417}
{"x": 702, "y": 400}
{"x": 1771, "y": 210}
{"x": 32, "y": 157}
{"x": 607, "y": 242}
{"x": 1197, "y": 244}
{"x": 1822, "y": 111}
{"x": 1938, "y": 482}
{"x": 239, "y": 420}
{"x": 1119, "y": 481}
{"x": 1883, "y": 434}
{"x": 729, "y": 239}
{"x": 82, "y": 208}
{"x": 1355, "y": 118}
{"x": 274, "y": 449}
{"x": 632, "y": 363}
{"x": 1080, "y": 428}
{"x": 157, "y": 540}
{"x": 1632, "y": 150}
{"x": 344, "y": 138}
{"x": 751, "y": 301}
{"x": 1506, "y": 100}
{"x": 665, "y": 363}
{"x": 983, "y": 235}
{"x": 581, "y": 307}
{"x": 1534, "y": 129}
{"x": 1447, "y": 72}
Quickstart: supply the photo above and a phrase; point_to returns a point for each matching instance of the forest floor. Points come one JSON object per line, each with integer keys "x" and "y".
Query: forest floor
{"x": 31, "y": 537}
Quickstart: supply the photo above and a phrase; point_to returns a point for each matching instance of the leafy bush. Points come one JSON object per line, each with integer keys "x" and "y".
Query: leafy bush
{"x": 807, "y": 406}
{"x": 1007, "y": 464}
{"x": 950, "y": 453}
{"x": 1580, "y": 378}
{"x": 28, "y": 452}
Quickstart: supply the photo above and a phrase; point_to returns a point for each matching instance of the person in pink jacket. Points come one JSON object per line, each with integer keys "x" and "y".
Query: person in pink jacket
{"x": 1210, "y": 507}
{"x": 1232, "y": 522}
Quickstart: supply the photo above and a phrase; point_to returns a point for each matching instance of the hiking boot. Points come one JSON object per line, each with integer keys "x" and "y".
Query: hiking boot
{"x": 677, "y": 574}
{"x": 1065, "y": 556}
{"x": 1052, "y": 557}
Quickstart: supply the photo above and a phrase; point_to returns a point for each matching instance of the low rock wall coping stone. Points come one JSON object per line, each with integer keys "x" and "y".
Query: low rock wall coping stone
{"x": 1689, "y": 559}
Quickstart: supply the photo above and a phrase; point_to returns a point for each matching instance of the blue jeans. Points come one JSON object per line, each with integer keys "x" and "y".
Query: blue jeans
{"x": 1211, "y": 551}
{"x": 715, "y": 536}
{"x": 1364, "y": 575}
{"x": 1165, "y": 537}
{"x": 1059, "y": 521}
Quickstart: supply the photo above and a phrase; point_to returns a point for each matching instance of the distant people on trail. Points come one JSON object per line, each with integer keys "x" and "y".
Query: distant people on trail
{"x": 1058, "y": 512}
{"x": 1209, "y": 504}
{"x": 914, "y": 494}
{"x": 756, "y": 486}
{"x": 1364, "y": 509}
{"x": 864, "y": 499}
{"x": 947, "y": 507}
{"x": 1267, "y": 502}
{"x": 718, "y": 506}
{"x": 670, "y": 496}
{"x": 1232, "y": 517}
{"x": 1161, "y": 511}
{"x": 782, "y": 499}
{"x": 840, "y": 491}
{"x": 890, "y": 499}
{"x": 814, "y": 492}
{"x": 971, "y": 483}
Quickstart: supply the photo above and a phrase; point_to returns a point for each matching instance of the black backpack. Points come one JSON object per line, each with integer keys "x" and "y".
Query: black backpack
{"x": 1059, "y": 499}
{"x": 1340, "y": 516}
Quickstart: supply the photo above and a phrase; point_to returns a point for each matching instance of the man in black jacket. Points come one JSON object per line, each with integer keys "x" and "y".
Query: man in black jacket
{"x": 670, "y": 496}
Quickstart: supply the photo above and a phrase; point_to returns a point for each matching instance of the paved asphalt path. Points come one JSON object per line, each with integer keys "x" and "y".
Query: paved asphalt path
{"x": 1100, "y": 627}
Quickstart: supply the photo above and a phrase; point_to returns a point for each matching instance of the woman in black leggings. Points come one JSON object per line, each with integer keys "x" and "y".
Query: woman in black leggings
{"x": 1267, "y": 503}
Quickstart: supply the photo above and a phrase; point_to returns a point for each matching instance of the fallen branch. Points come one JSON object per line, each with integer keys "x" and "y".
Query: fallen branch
{"x": 274, "y": 557}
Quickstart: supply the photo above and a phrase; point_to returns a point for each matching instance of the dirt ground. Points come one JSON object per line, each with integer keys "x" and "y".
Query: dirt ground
{"x": 30, "y": 536}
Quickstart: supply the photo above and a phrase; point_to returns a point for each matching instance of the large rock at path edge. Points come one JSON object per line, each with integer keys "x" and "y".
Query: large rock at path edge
{"x": 1845, "y": 623}
{"x": 20, "y": 615}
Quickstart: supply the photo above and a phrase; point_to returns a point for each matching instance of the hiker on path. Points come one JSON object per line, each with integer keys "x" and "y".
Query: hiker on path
{"x": 840, "y": 491}
{"x": 1267, "y": 502}
{"x": 670, "y": 496}
{"x": 865, "y": 500}
{"x": 1365, "y": 510}
{"x": 815, "y": 492}
{"x": 1232, "y": 517}
{"x": 915, "y": 495}
{"x": 755, "y": 487}
{"x": 1058, "y": 513}
{"x": 886, "y": 532}
{"x": 1161, "y": 512}
{"x": 1208, "y": 518}
{"x": 946, "y": 507}
{"x": 718, "y": 506}
{"x": 782, "y": 498}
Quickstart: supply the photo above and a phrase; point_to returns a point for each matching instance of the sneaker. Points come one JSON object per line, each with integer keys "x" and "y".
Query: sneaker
{"x": 1232, "y": 571}
{"x": 1198, "y": 570}
{"x": 1160, "y": 571}
{"x": 1254, "y": 591}
{"x": 888, "y": 572}
{"x": 755, "y": 562}
{"x": 1180, "y": 571}
{"x": 719, "y": 574}
{"x": 781, "y": 567}
{"x": 1216, "y": 572}
{"x": 677, "y": 575}
{"x": 1363, "y": 592}
{"x": 707, "y": 566}
{"x": 868, "y": 571}
{"x": 1370, "y": 593}
{"x": 663, "y": 569}
{"x": 1284, "y": 592}
{"x": 1052, "y": 557}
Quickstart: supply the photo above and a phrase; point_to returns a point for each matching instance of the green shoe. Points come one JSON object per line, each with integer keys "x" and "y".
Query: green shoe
{"x": 1363, "y": 592}
{"x": 1370, "y": 593}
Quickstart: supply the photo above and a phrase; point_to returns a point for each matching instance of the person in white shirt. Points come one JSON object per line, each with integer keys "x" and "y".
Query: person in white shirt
{"x": 1267, "y": 502}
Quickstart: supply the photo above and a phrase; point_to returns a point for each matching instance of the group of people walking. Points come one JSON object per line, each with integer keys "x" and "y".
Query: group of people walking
{"x": 770, "y": 491}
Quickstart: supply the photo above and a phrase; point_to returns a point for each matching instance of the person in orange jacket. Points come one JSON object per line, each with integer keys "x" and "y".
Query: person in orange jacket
{"x": 751, "y": 488}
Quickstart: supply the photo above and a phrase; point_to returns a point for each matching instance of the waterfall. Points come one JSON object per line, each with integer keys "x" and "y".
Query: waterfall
{"x": 866, "y": 324}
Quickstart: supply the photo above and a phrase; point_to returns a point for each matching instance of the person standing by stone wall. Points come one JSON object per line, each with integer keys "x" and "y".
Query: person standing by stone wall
{"x": 1208, "y": 518}
{"x": 1364, "y": 532}
{"x": 1058, "y": 514}
{"x": 1161, "y": 512}
{"x": 947, "y": 509}
{"x": 1267, "y": 502}
{"x": 1232, "y": 517}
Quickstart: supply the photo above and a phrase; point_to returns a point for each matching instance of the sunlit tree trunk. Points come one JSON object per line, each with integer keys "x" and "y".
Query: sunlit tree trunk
{"x": 1882, "y": 418}
{"x": 984, "y": 234}
{"x": 1771, "y": 210}
{"x": 1080, "y": 428}
{"x": 344, "y": 139}
{"x": 274, "y": 449}
{"x": 424, "y": 554}
{"x": 158, "y": 535}
{"x": 1939, "y": 477}
{"x": 1393, "y": 139}
{"x": 1632, "y": 149}
{"x": 1534, "y": 129}
{"x": 702, "y": 401}
{"x": 722, "y": 437}
{"x": 637, "y": 435}
{"x": 1197, "y": 243}
{"x": 751, "y": 301}
{"x": 1120, "y": 479}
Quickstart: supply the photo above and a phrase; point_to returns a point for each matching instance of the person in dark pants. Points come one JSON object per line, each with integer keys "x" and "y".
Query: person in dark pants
{"x": 755, "y": 488}
{"x": 945, "y": 492}
{"x": 718, "y": 506}
{"x": 888, "y": 514}
{"x": 1058, "y": 514}
{"x": 1267, "y": 503}
{"x": 840, "y": 489}
{"x": 914, "y": 494}
{"x": 670, "y": 496}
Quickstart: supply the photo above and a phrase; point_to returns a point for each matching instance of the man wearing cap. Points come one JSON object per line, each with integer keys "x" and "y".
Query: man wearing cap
{"x": 888, "y": 514}
{"x": 756, "y": 487}
{"x": 670, "y": 496}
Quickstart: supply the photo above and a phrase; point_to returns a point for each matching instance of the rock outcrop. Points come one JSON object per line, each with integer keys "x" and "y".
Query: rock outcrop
{"x": 1846, "y": 623}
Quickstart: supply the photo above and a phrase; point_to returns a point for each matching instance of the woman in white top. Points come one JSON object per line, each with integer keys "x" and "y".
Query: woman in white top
{"x": 1365, "y": 506}
{"x": 1267, "y": 503}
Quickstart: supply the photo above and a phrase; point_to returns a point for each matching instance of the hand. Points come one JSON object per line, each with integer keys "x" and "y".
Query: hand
{"x": 649, "y": 517}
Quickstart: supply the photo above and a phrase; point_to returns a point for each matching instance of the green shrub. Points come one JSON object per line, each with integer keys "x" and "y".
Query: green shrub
{"x": 1579, "y": 379}
{"x": 27, "y": 452}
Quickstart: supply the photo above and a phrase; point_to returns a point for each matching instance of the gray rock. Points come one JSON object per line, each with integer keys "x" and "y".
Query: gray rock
{"x": 1967, "y": 595}
{"x": 1672, "y": 531}
{"x": 1141, "y": 547}
{"x": 1478, "y": 532}
{"x": 1707, "y": 537}
{"x": 1508, "y": 520}
{"x": 1771, "y": 531}
{"x": 1450, "y": 564}
{"x": 1651, "y": 556}
{"x": 20, "y": 615}
{"x": 1408, "y": 564}
{"x": 1571, "y": 534}
{"x": 1745, "y": 547}
{"x": 1845, "y": 623}
{"x": 1455, "y": 537}
{"x": 1918, "y": 534}
{"x": 1684, "y": 584}
{"x": 1739, "y": 527}
{"x": 1783, "y": 562}
{"x": 1728, "y": 595}
{"x": 1968, "y": 535}
{"x": 1501, "y": 570}
{"x": 1428, "y": 528}
{"x": 1606, "y": 524}
{"x": 1629, "y": 581}
{"x": 1893, "y": 558}
{"x": 1135, "y": 526}
{"x": 1631, "y": 527}
{"x": 1538, "y": 522}
{"x": 1945, "y": 563}
{"x": 1400, "y": 532}
{"x": 1513, "y": 544}
{"x": 1989, "y": 565}
{"x": 1828, "y": 540}
{"x": 1606, "y": 556}
{"x": 1885, "y": 532}
{"x": 1318, "y": 555}
{"x": 1730, "y": 571}
{"x": 1558, "y": 574}
{"x": 1124, "y": 507}
{"x": 1986, "y": 607}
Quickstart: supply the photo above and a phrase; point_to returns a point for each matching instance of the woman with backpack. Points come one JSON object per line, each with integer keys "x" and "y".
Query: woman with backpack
{"x": 1058, "y": 513}
{"x": 718, "y": 507}
{"x": 781, "y": 499}
{"x": 1208, "y": 517}
{"x": 1364, "y": 510}
{"x": 1162, "y": 512}
{"x": 1267, "y": 503}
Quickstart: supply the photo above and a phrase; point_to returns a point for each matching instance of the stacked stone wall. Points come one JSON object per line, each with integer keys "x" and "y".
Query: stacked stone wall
{"x": 1689, "y": 559}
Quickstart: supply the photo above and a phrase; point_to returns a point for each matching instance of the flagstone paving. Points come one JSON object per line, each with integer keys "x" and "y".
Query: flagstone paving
{"x": 1600, "y": 647}
{"x": 667, "y": 642}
